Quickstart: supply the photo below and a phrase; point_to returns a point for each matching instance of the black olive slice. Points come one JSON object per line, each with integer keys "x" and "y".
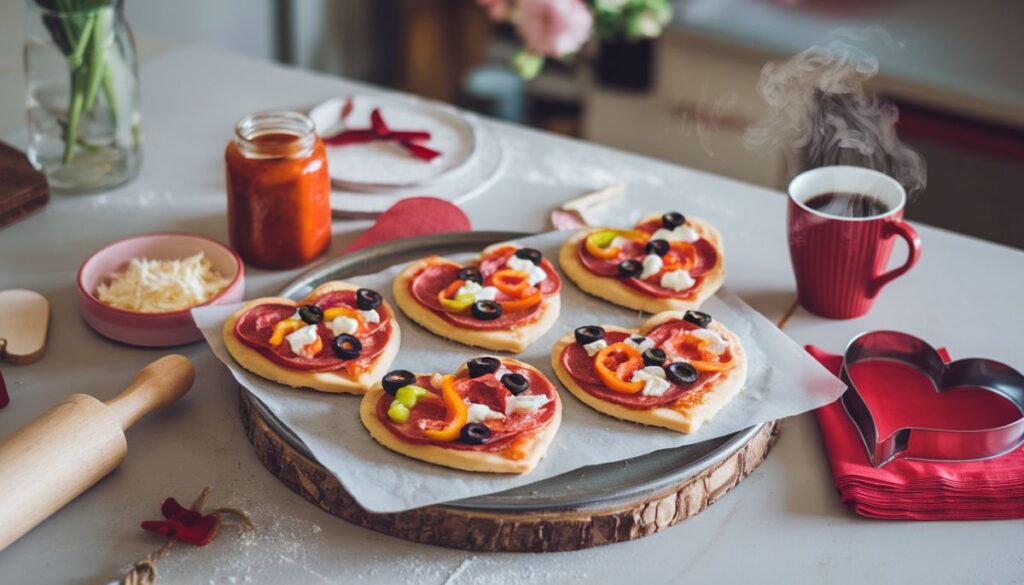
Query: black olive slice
{"x": 681, "y": 373}
{"x": 654, "y": 357}
{"x": 672, "y": 220}
{"x": 395, "y": 379}
{"x": 482, "y": 366}
{"x": 516, "y": 383}
{"x": 588, "y": 334}
{"x": 311, "y": 314}
{"x": 347, "y": 346}
{"x": 659, "y": 247}
{"x": 530, "y": 254}
{"x": 474, "y": 433}
{"x": 486, "y": 310}
{"x": 698, "y": 318}
{"x": 630, "y": 268}
{"x": 367, "y": 300}
{"x": 471, "y": 274}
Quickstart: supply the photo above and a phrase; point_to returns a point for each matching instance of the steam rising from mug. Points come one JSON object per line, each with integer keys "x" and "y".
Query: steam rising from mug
{"x": 819, "y": 109}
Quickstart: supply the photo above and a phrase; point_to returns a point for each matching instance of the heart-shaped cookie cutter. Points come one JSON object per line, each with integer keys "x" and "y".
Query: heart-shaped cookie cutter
{"x": 932, "y": 444}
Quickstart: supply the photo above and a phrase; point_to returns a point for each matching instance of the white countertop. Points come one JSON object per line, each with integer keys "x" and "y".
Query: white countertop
{"x": 783, "y": 524}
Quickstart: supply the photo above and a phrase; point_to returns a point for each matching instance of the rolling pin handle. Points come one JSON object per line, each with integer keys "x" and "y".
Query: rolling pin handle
{"x": 155, "y": 386}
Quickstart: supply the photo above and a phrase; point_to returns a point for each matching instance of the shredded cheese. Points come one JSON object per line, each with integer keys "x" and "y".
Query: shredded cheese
{"x": 159, "y": 286}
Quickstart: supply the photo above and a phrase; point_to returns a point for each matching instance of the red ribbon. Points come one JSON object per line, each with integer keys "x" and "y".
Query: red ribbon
{"x": 184, "y": 524}
{"x": 379, "y": 130}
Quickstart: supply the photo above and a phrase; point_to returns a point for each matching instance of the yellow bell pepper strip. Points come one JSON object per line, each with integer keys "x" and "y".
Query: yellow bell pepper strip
{"x": 458, "y": 304}
{"x": 283, "y": 328}
{"x": 514, "y": 283}
{"x": 398, "y": 412}
{"x": 455, "y": 413}
{"x": 524, "y": 303}
{"x": 335, "y": 312}
{"x": 617, "y": 362}
{"x": 599, "y": 244}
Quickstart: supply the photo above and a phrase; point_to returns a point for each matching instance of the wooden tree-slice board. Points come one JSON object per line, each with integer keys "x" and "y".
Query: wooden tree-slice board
{"x": 509, "y": 531}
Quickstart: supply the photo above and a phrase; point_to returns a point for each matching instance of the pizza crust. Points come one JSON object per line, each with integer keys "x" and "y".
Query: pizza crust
{"x": 252, "y": 360}
{"x": 513, "y": 340}
{"x": 667, "y": 418}
{"x": 620, "y": 293}
{"x": 478, "y": 461}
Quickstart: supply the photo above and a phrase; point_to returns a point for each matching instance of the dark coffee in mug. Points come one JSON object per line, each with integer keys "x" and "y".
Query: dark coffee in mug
{"x": 847, "y": 204}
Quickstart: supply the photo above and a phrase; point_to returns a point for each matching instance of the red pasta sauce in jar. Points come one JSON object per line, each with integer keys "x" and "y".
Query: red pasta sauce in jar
{"x": 279, "y": 207}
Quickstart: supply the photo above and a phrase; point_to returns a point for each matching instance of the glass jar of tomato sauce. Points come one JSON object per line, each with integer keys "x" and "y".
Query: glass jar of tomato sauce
{"x": 279, "y": 209}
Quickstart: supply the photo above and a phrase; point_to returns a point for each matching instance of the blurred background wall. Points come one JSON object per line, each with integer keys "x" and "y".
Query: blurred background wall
{"x": 955, "y": 72}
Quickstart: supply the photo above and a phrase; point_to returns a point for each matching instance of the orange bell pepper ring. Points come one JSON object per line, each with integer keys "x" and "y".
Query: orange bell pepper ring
{"x": 681, "y": 256}
{"x": 614, "y": 363}
{"x": 335, "y": 312}
{"x": 514, "y": 283}
{"x": 455, "y": 413}
{"x": 283, "y": 328}
{"x": 677, "y": 346}
{"x": 526, "y": 302}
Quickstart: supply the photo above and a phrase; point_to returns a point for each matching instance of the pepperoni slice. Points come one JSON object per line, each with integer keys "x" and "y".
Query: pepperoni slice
{"x": 485, "y": 390}
{"x": 256, "y": 325}
{"x": 581, "y": 367}
{"x": 433, "y": 279}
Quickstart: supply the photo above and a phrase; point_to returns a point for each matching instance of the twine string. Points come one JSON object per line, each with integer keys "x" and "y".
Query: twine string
{"x": 144, "y": 572}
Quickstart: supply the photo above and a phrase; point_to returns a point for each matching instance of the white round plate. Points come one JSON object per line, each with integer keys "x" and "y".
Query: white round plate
{"x": 486, "y": 168}
{"x": 381, "y": 165}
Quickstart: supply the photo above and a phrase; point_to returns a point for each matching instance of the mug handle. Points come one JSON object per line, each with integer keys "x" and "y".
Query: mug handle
{"x": 909, "y": 234}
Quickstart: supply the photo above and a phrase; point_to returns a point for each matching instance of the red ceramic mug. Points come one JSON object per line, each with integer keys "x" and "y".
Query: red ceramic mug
{"x": 840, "y": 246}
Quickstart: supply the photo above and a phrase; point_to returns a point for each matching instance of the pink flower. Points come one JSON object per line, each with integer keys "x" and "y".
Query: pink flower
{"x": 497, "y": 10}
{"x": 554, "y": 27}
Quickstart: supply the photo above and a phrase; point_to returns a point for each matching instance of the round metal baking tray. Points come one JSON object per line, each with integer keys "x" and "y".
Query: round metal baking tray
{"x": 597, "y": 486}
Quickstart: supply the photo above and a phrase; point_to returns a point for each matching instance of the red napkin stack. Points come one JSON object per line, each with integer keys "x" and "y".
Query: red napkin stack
{"x": 916, "y": 490}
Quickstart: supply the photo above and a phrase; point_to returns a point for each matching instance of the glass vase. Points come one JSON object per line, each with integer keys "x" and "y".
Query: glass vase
{"x": 82, "y": 93}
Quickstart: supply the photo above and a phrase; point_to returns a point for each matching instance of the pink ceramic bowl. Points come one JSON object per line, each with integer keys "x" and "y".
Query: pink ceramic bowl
{"x": 153, "y": 329}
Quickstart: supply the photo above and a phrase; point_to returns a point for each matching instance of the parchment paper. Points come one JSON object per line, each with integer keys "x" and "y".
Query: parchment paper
{"x": 782, "y": 381}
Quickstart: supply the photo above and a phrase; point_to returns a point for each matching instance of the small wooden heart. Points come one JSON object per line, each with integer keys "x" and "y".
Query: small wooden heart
{"x": 24, "y": 317}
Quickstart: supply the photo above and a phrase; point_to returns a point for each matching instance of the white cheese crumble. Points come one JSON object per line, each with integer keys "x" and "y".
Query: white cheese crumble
{"x": 371, "y": 316}
{"x": 677, "y": 280}
{"x": 652, "y": 265}
{"x": 481, "y": 412}
{"x": 436, "y": 381}
{"x": 343, "y": 324}
{"x": 682, "y": 233}
{"x": 300, "y": 338}
{"x": 525, "y": 404}
{"x": 160, "y": 286}
{"x": 479, "y": 293}
{"x": 533, "y": 271}
{"x": 641, "y": 344}
{"x": 595, "y": 346}
{"x": 654, "y": 380}
{"x": 713, "y": 342}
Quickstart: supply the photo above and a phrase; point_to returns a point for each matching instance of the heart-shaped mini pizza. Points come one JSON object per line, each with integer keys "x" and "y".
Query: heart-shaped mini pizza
{"x": 664, "y": 263}
{"x": 504, "y": 301}
{"x": 340, "y": 338}
{"x": 493, "y": 415}
{"x": 676, "y": 371}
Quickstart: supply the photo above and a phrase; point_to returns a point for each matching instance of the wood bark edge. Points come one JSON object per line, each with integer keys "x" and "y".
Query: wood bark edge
{"x": 507, "y": 532}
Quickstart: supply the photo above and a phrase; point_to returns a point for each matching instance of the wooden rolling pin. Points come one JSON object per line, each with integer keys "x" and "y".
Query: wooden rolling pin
{"x": 76, "y": 443}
